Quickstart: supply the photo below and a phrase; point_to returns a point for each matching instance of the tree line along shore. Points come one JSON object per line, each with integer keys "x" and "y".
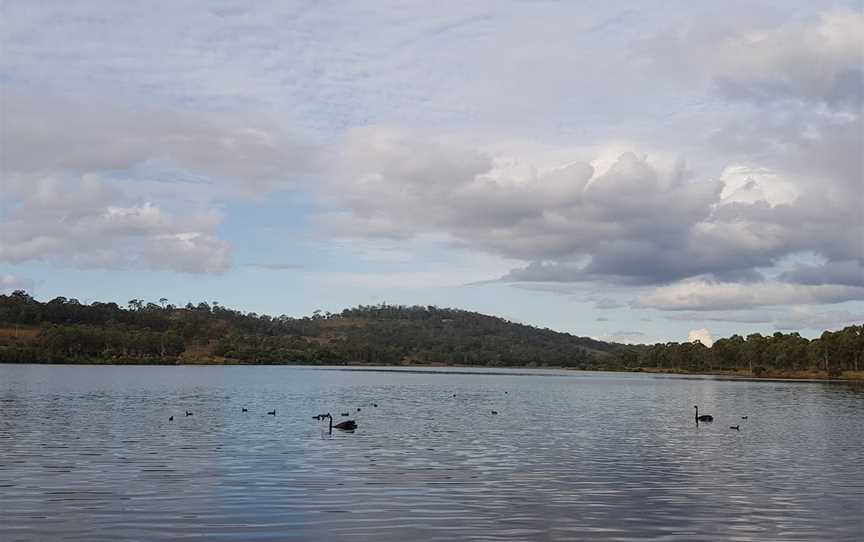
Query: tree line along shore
{"x": 67, "y": 331}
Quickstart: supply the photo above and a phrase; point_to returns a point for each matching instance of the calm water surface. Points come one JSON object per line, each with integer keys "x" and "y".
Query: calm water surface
{"x": 87, "y": 453}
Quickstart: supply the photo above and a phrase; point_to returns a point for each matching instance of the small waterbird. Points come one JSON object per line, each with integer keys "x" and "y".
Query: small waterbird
{"x": 171, "y": 419}
{"x": 244, "y": 409}
{"x": 272, "y": 412}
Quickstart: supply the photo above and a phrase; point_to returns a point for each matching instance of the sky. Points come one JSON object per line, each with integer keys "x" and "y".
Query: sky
{"x": 630, "y": 171}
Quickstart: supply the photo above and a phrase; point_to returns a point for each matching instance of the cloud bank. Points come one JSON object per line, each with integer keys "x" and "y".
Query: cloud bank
{"x": 77, "y": 191}
{"x": 792, "y": 189}
{"x": 731, "y": 180}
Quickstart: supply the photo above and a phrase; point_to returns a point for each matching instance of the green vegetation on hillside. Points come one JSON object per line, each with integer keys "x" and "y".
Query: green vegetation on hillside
{"x": 67, "y": 331}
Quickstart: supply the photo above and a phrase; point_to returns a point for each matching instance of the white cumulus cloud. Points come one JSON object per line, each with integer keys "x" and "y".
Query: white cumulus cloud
{"x": 701, "y": 335}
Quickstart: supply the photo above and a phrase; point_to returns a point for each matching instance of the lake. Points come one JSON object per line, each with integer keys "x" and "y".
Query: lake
{"x": 88, "y": 453}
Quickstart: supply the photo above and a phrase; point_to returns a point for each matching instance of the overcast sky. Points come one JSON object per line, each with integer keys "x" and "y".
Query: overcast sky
{"x": 633, "y": 171}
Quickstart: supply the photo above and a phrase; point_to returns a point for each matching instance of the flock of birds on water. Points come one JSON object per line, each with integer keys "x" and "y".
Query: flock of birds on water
{"x": 346, "y": 425}
{"x": 709, "y": 418}
{"x": 351, "y": 425}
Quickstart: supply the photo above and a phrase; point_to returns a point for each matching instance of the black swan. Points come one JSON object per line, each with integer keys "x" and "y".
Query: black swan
{"x": 272, "y": 412}
{"x": 703, "y": 417}
{"x": 735, "y": 427}
{"x": 494, "y": 412}
{"x": 188, "y": 413}
{"x": 347, "y": 425}
{"x": 346, "y": 413}
{"x": 743, "y": 417}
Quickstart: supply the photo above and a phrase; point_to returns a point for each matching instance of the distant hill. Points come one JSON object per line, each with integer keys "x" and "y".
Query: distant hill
{"x": 65, "y": 330}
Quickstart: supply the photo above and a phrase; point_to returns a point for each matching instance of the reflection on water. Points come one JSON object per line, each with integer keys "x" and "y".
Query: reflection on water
{"x": 88, "y": 453}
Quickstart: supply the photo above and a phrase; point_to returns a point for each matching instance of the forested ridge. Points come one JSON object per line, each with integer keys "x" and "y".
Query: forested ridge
{"x": 67, "y": 331}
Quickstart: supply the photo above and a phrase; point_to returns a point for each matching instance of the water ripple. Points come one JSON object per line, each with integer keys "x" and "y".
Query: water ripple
{"x": 88, "y": 453}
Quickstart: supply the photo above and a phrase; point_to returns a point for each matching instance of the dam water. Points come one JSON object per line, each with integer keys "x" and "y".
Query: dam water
{"x": 89, "y": 453}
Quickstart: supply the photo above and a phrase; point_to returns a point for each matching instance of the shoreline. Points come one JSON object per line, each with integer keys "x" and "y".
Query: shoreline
{"x": 798, "y": 376}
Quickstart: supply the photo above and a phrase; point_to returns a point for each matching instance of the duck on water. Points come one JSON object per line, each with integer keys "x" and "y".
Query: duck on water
{"x": 703, "y": 417}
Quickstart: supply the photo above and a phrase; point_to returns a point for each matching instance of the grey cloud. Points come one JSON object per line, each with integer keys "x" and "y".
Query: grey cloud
{"x": 638, "y": 224}
{"x": 820, "y": 157}
{"x": 794, "y": 318}
{"x": 761, "y": 55}
{"x": 797, "y": 91}
{"x": 760, "y": 316}
{"x": 818, "y": 60}
{"x": 806, "y": 129}
{"x": 633, "y": 223}
{"x": 844, "y": 89}
{"x": 566, "y": 289}
{"x": 701, "y": 295}
{"x": 276, "y": 266}
{"x": 547, "y": 272}
{"x": 802, "y": 319}
{"x": 794, "y": 95}
{"x": 44, "y": 134}
{"x": 849, "y": 273}
{"x": 655, "y": 231}
{"x": 186, "y": 252}
{"x": 89, "y": 222}
{"x": 738, "y": 275}
{"x": 606, "y": 304}
{"x": 73, "y": 179}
